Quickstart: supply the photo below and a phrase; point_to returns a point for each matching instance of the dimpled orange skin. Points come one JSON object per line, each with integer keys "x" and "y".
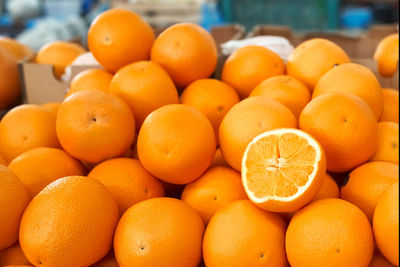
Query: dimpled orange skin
{"x": 26, "y": 127}
{"x": 176, "y": 143}
{"x": 246, "y": 120}
{"x": 345, "y": 126}
{"x": 287, "y": 90}
{"x": 388, "y": 142}
{"x": 18, "y": 266}
{"x": 10, "y": 85}
{"x": 311, "y": 59}
{"x": 186, "y": 51}
{"x": 249, "y": 66}
{"x": 329, "y": 232}
{"x": 13, "y": 199}
{"x": 212, "y": 97}
{"x": 386, "y": 224}
{"x": 17, "y": 49}
{"x": 216, "y": 188}
{"x": 241, "y": 234}
{"x": 387, "y": 55}
{"x": 92, "y": 79}
{"x": 354, "y": 79}
{"x": 144, "y": 86}
{"x": 367, "y": 183}
{"x": 390, "y": 105}
{"x": 60, "y": 54}
{"x": 75, "y": 214}
{"x": 93, "y": 126}
{"x": 127, "y": 181}
{"x": 119, "y": 37}
{"x": 12, "y": 255}
{"x": 39, "y": 167}
{"x": 160, "y": 232}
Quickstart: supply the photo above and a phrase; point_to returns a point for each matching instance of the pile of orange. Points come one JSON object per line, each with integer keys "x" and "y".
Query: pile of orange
{"x": 152, "y": 161}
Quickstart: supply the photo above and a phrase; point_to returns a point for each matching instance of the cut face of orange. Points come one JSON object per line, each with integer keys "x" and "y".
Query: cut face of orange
{"x": 283, "y": 169}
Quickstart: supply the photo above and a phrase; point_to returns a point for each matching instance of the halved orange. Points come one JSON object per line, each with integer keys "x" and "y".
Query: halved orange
{"x": 283, "y": 169}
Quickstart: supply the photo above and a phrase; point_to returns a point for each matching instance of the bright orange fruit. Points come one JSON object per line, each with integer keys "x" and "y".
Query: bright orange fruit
{"x": 388, "y": 142}
{"x": 92, "y": 79}
{"x": 387, "y": 55}
{"x": 390, "y": 105}
{"x": 9, "y": 86}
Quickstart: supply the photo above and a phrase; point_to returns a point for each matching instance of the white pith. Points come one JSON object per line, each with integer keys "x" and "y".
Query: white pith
{"x": 279, "y": 132}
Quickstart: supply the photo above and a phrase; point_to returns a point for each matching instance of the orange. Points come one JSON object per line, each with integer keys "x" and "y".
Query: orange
{"x": 216, "y": 188}
{"x": 354, "y": 79}
{"x": 379, "y": 261}
{"x": 13, "y": 199}
{"x": 386, "y": 224}
{"x": 119, "y": 37}
{"x": 367, "y": 183}
{"x": 388, "y": 142}
{"x": 311, "y": 59}
{"x": 183, "y": 146}
{"x": 242, "y": 235}
{"x": 107, "y": 261}
{"x": 26, "y": 127}
{"x": 187, "y": 52}
{"x": 12, "y": 255}
{"x": 39, "y": 167}
{"x": 218, "y": 159}
{"x": 93, "y": 126}
{"x": 212, "y": 97}
{"x": 387, "y": 55}
{"x": 92, "y": 79}
{"x": 75, "y": 214}
{"x": 246, "y": 120}
{"x": 9, "y": 86}
{"x": 17, "y": 49}
{"x": 3, "y": 161}
{"x": 127, "y": 181}
{"x": 285, "y": 89}
{"x": 249, "y": 66}
{"x": 283, "y": 169}
{"x": 160, "y": 232}
{"x": 52, "y": 107}
{"x": 329, "y": 232}
{"x": 60, "y": 54}
{"x": 18, "y": 265}
{"x": 345, "y": 126}
{"x": 329, "y": 189}
{"x": 145, "y": 87}
{"x": 390, "y": 105}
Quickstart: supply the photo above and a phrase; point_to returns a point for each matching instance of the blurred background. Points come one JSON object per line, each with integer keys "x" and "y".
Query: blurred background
{"x": 37, "y": 22}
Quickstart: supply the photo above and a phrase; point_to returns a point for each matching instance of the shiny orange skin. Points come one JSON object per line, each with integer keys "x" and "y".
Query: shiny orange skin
{"x": 329, "y": 232}
{"x": 39, "y": 167}
{"x": 246, "y": 120}
{"x": 91, "y": 79}
{"x": 386, "y": 224}
{"x": 26, "y": 127}
{"x": 216, "y": 188}
{"x": 77, "y": 215}
{"x": 390, "y": 105}
{"x": 10, "y": 85}
{"x": 311, "y": 59}
{"x": 12, "y": 255}
{"x": 60, "y": 54}
{"x": 388, "y": 142}
{"x": 127, "y": 181}
{"x": 159, "y": 232}
{"x": 387, "y": 55}
{"x": 354, "y": 79}
{"x": 183, "y": 147}
{"x": 367, "y": 183}
{"x": 13, "y": 200}
{"x": 93, "y": 126}
{"x": 345, "y": 126}
{"x": 17, "y": 49}
{"x": 187, "y": 52}
{"x": 145, "y": 87}
{"x": 241, "y": 234}
{"x": 212, "y": 97}
{"x": 249, "y": 66}
{"x": 119, "y": 37}
{"x": 285, "y": 89}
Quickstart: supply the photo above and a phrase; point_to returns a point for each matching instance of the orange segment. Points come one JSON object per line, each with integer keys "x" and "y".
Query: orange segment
{"x": 283, "y": 169}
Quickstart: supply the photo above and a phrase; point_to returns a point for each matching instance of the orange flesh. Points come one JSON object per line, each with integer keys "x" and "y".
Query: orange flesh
{"x": 279, "y": 165}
